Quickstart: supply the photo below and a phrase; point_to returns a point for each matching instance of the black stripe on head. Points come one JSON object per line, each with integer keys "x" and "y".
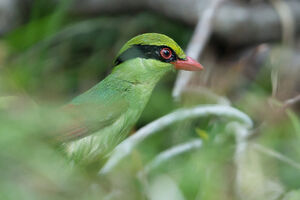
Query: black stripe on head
{"x": 146, "y": 51}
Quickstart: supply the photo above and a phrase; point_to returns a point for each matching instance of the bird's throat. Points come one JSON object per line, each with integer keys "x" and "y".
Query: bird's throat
{"x": 140, "y": 71}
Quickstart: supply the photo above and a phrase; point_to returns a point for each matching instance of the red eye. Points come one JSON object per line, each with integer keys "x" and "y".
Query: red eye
{"x": 166, "y": 53}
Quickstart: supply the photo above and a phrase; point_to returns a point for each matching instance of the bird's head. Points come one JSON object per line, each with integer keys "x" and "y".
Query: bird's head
{"x": 157, "y": 48}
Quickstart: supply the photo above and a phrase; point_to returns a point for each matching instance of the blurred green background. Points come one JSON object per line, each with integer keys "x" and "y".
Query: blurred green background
{"x": 54, "y": 56}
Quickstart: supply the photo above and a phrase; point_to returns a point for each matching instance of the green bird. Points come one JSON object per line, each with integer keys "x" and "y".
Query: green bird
{"x": 110, "y": 109}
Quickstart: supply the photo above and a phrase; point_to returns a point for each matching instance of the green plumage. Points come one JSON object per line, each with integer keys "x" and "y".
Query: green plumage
{"x": 153, "y": 39}
{"x": 112, "y": 107}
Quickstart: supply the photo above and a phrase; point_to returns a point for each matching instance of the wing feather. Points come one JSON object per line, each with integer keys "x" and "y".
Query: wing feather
{"x": 86, "y": 118}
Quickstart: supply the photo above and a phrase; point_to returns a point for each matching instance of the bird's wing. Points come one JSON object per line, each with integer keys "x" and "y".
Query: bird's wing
{"x": 89, "y": 117}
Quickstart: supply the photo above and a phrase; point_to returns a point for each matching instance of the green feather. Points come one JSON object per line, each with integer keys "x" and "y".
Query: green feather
{"x": 154, "y": 39}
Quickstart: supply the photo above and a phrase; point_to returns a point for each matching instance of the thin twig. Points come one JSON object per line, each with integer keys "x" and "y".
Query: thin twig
{"x": 276, "y": 155}
{"x": 196, "y": 45}
{"x": 274, "y": 80}
{"x": 125, "y": 148}
{"x": 172, "y": 152}
{"x": 292, "y": 101}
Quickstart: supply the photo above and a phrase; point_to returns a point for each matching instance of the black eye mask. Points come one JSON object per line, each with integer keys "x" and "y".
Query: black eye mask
{"x": 146, "y": 51}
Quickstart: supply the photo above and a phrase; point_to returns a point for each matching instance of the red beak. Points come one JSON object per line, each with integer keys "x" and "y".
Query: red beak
{"x": 189, "y": 64}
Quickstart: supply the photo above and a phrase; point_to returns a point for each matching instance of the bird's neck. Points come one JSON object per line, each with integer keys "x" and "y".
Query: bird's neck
{"x": 141, "y": 71}
{"x": 140, "y": 77}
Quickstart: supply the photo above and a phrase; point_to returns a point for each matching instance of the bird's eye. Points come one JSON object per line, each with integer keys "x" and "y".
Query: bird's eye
{"x": 166, "y": 53}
